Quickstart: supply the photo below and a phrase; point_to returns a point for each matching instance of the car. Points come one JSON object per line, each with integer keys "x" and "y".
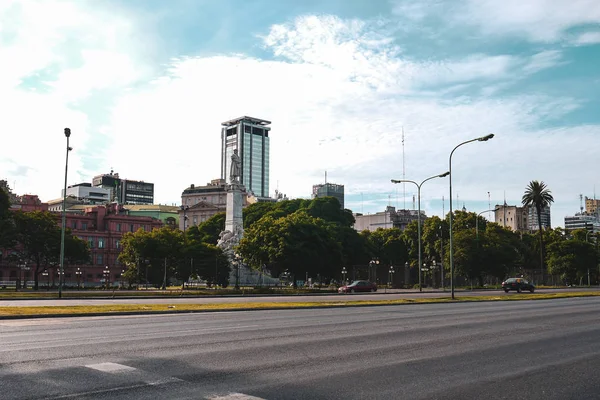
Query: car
{"x": 518, "y": 284}
{"x": 358, "y": 286}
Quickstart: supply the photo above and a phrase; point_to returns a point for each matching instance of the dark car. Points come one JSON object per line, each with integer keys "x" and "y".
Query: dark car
{"x": 518, "y": 284}
{"x": 358, "y": 286}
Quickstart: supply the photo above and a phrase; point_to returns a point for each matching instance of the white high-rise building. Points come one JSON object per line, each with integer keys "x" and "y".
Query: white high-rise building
{"x": 250, "y": 137}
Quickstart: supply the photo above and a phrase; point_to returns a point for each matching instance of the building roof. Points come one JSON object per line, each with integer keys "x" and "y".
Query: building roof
{"x": 252, "y": 120}
{"x": 151, "y": 207}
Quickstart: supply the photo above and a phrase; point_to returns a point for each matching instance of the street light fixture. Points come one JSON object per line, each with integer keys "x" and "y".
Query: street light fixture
{"x": 480, "y": 139}
{"x": 588, "y": 270}
{"x": 236, "y": 264}
{"x": 391, "y": 276}
{"x": 78, "y": 273}
{"x": 477, "y": 221}
{"x": 64, "y": 218}
{"x": 184, "y": 209}
{"x": 373, "y": 269}
{"x": 445, "y": 174}
{"x": 344, "y": 272}
{"x": 106, "y": 273}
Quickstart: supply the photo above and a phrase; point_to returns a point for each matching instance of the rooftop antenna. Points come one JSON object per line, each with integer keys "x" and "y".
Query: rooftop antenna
{"x": 404, "y": 171}
{"x": 362, "y": 209}
{"x": 581, "y": 203}
{"x": 389, "y": 200}
{"x": 443, "y": 208}
{"x": 326, "y": 177}
{"x": 413, "y": 201}
{"x": 489, "y": 205}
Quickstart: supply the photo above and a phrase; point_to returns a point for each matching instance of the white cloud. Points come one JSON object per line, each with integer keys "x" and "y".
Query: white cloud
{"x": 536, "y": 20}
{"x": 339, "y": 93}
{"x": 588, "y": 38}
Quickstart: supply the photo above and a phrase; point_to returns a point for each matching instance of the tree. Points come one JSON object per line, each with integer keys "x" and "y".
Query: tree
{"x": 537, "y": 195}
{"x": 206, "y": 262}
{"x": 571, "y": 259}
{"x": 329, "y": 209}
{"x": 297, "y": 243}
{"x": 6, "y": 222}
{"x": 209, "y": 230}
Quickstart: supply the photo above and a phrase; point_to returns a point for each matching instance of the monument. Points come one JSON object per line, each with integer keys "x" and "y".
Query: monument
{"x": 234, "y": 230}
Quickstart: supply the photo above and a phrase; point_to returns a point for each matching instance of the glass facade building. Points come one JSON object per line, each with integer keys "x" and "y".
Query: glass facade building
{"x": 250, "y": 137}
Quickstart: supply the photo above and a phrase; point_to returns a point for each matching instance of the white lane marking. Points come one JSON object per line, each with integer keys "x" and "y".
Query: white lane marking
{"x": 163, "y": 381}
{"x": 110, "y": 367}
{"x": 235, "y": 396}
{"x": 33, "y": 322}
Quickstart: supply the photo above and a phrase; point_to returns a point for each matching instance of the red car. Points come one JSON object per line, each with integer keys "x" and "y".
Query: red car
{"x": 358, "y": 286}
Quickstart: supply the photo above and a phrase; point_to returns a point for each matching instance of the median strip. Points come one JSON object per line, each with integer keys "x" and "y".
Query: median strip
{"x": 124, "y": 309}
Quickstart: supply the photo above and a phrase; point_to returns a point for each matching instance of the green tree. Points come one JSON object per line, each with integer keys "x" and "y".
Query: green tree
{"x": 538, "y": 196}
{"x": 570, "y": 259}
{"x": 297, "y": 243}
{"x": 329, "y": 209}
{"x": 209, "y": 230}
{"x": 499, "y": 251}
{"x": 6, "y": 222}
{"x": 206, "y": 262}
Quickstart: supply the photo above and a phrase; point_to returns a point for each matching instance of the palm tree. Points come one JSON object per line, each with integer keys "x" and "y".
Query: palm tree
{"x": 538, "y": 196}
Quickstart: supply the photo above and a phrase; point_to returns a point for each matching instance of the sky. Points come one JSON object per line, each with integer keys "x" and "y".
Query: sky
{"x": 145, "y": 84}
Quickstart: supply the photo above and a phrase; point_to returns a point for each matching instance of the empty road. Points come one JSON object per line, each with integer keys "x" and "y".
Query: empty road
{"x": 548, "y": 349}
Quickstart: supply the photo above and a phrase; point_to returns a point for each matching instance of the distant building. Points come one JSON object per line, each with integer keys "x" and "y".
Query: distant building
{"x": 592, "y": 206}
{"x": 250, "y": 137}
{"x": 390, "y": 218}
{"x": 102, "y": 227}
{"x": 88, "y": 194}
{"x": 512, "y": 217}
{"x": 329, "y": 189}
{"x": 125, "y": 191}
{"x": 169, "y": 215}
{"x": 26, "y": 202}
{"x": 582, "y": 221}
{"x": 532, "y": 219}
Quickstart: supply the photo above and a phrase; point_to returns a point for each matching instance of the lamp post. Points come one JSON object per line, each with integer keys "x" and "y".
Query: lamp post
{"x": 442, "y": 257}
{"x": 433, "y": 268}
{"x": 106, "y": 274}
{"x": 64, "y": 218}
{"x": 481, "y": 139}
{"x": 45, "y": 273}
{"x": 184, "y": 209}
{"x": 121, "y": 277}
{"x": 373, "y": 269}
{"x": 477, "y": 222}
{"x": 344, "y": 272}
{"x": 78, "y": 273}
{"x": 418, "y": 185}
{"x": 236, "y": 265}
{"x": 588, "y": 270}
{"x": 391, "y": 276}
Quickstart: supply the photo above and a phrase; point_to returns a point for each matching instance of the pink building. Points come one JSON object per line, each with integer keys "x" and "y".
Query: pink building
{"x": 102, "y": 227}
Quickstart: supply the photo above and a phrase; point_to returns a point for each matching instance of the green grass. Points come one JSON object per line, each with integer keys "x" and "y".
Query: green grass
{"x": 166, "y": 308}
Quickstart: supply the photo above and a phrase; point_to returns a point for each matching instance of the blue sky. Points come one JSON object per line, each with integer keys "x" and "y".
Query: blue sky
{"x": 144, "y": 86}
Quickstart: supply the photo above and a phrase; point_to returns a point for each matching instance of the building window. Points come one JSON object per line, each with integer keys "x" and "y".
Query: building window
{"x": 100, "y": 243}
{"x": 131, "y": 228}
{"x": 118, "y": 227}
{"x": 99, "y": 259}
{"x": 91, "y": 242}
{"x": 84, "y": 225}
{"x": 195, "y": 220}
{"x": 117, "y": 244}
{"x": 74, "y": 224}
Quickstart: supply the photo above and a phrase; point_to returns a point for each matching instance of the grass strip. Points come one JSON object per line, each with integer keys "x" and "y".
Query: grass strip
{"x": 166, "y": 308}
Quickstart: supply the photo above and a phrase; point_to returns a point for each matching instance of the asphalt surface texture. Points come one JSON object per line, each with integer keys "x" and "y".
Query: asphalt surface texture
{"x": 547, "y": 349}
{"x": 379, "y": 295}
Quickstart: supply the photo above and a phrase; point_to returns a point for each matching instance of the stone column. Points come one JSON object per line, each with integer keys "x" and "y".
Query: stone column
{"x": 233, "y": 214}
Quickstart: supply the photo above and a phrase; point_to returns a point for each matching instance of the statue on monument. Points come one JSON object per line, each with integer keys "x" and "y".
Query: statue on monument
{"x": 236, "y": 167}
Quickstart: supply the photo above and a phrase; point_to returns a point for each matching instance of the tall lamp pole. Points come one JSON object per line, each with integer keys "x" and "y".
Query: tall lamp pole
{"x": 64, "y": 220}
{"x": 477, "y": 222}
{"x": 419, "y": 213}
{"x": 481, "y": 139}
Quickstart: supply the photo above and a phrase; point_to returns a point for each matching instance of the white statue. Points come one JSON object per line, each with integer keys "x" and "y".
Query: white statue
{"x": 236, "y": 167}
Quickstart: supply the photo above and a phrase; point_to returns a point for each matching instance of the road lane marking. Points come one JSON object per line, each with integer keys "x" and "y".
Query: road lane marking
{"x": 110, "y": 367}
{"x": 235, "y": 396}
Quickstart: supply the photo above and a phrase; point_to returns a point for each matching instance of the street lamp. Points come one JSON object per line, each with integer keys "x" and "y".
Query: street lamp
{"x": 78, "y": 273}
{"x": 373, "y": 269}
{"x": 106, "y": 276}
{"x": 45, "y": 273}
{"x": 391, "y": 276}
{"x": 64, "y": 219}
{"x": 477, "y": 222}
{"x": 184, "y": 209}
{"x": 481, "y": 139}
{"x": 445, "y": 174}
{"x": 236, "y": 264}
{"x": 588, "y": 270}
{"x": 433, "y": 267}
{"x": 344, "y": 272}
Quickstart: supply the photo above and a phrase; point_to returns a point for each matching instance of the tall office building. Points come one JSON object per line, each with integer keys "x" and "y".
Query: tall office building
{"x": 250, "y": 137}
{"x": 329, "y": 189}
{"x": 125, "y": 191}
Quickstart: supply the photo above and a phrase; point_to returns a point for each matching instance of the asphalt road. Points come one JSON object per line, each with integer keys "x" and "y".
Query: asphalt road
{"x": 379, "y": 295}
{"x": 546, "y": 349}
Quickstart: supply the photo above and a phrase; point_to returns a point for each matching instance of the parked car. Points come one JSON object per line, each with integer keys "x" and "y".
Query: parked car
{"x": 518, "y": 284}
{"x": 358, "y": 286}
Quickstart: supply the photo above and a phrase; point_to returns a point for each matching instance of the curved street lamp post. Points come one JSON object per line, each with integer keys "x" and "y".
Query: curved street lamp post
{"x": 64, "y": 219}
{"x": 418, "y": 185}
{"x": 480, "y": 139}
